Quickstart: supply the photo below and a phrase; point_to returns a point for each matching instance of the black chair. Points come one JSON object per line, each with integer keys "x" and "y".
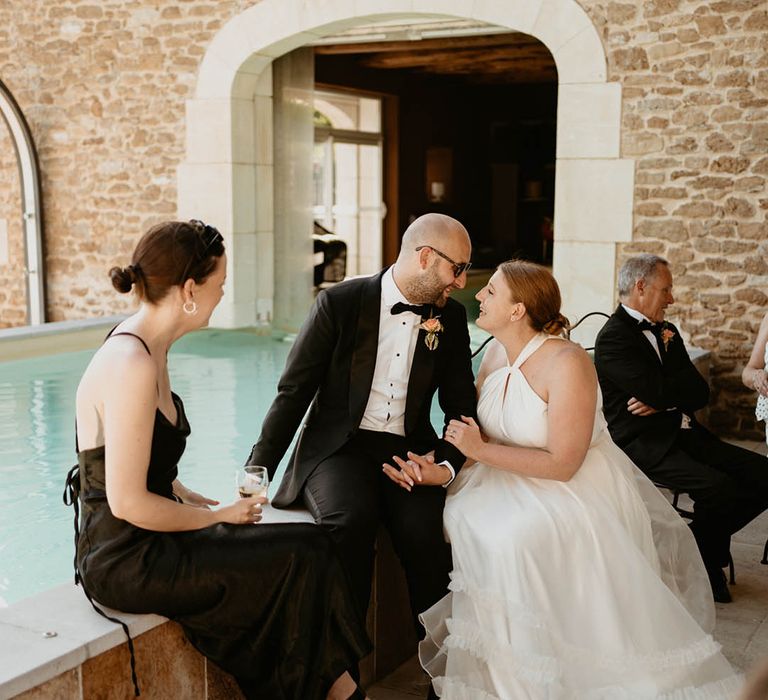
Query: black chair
{"x": 685, "y": 513}
{"x": 581, "y": 320}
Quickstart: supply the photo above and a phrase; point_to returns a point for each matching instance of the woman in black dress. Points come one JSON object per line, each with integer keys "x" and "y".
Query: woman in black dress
{"x": 269, "y": 604}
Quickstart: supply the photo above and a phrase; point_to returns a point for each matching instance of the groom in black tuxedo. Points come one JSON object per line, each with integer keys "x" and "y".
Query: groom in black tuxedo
{"x": 369, "y": 360}
{"x": 651, "y": 391}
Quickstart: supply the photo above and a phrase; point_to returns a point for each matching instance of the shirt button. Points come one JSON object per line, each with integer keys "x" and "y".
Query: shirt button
{"x": 398, "y": 354}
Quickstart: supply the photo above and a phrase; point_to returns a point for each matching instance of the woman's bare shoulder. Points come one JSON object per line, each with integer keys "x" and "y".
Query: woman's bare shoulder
{"x": 119, "y": 363}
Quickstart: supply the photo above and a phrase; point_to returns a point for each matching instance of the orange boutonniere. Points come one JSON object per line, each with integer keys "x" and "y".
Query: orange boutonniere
{"x": 432, "y": 327}
{"x": 666, "y": 335}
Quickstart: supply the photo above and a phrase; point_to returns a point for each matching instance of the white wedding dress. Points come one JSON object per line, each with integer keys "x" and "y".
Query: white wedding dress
{"x": 587, "y": 589}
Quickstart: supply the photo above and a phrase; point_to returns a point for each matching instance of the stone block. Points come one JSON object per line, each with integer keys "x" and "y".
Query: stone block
{"x": 602, "y": 186}
{"x": 726, "y": 114}
{"x": 66, "y": 687}
{"x": 756, "y": 265}
{"x": 761, "y": 166}
{"x": 659, "y": 8}
{"x": 629, "y": 59}
{"x": 757, "y": 21}
{"x": 711, "y": 182}
{"x": 718, "y": 143}
{"x": 731, "y": 247}
{"x": 642, "y": 143}
{"x": 736, "y": 78}
{"x": 695, "y": 210}
{"x": 691, "y": 77}
{"x": 167, "y": 666}
{"x": 730, "y": 164}
{"x": 710, "y": 25}
{"x": 621, "y": 13}
{"x": 669, "y": 193}
{"x": 752, "y": 295}
{"x": 738, "y": 207}
{"x": 686, "y": 144}
{"x": 650, "y": 209}
{"x": 588, "y": 119}
{"x": 666, "y": 229}
{"x": 706, "y": 245}
{"x": 750, "y": 184}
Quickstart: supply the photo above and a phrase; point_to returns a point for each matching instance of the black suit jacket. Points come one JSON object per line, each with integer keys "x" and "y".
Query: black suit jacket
{"x": 331, "y": 367}
{"x": 627, "y": 366}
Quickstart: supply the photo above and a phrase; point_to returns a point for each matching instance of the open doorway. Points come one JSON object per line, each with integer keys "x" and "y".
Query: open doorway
{"x": 474, "y": 120}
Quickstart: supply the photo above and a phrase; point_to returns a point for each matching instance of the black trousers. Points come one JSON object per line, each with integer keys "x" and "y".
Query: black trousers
{"x": 350, "y": 496}
{"x": 728, "y": 485}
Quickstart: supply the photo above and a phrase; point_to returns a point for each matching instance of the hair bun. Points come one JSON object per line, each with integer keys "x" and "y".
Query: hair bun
{"x": 123, "y": 278}
{"x": 557, "y": 325}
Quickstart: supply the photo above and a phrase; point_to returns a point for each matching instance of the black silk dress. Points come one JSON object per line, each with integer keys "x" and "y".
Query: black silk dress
{"x": 267, "y": 603}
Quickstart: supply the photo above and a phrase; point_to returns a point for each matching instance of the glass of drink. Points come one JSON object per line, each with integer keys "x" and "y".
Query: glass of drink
{"x": 252, "y": 481}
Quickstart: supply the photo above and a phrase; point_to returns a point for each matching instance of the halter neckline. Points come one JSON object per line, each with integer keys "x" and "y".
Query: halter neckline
{"x": 531, "y": 347}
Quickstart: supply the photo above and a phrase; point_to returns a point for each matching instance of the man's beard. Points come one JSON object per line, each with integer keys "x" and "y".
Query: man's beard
{"x": 427, "y": 290}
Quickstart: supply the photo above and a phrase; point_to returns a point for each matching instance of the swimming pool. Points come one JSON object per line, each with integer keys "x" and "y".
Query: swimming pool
{"x": 227, "y": 380}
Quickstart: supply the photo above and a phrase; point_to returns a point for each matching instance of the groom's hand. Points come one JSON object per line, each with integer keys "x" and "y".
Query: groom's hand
{"x": 418, "y": 470}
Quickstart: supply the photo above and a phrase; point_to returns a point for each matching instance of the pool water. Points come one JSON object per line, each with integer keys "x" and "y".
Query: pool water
{"x": 227, "y": 380}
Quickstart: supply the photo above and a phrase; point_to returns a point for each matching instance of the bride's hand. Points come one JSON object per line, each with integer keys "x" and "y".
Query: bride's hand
{"x": 465, "y": 435}
{"x": 244, "y": 511}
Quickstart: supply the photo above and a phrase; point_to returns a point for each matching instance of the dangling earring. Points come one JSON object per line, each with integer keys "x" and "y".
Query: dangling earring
{"x": 190, "y": 308}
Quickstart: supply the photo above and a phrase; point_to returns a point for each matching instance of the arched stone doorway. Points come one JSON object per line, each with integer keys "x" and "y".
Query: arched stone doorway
{"x": 23, "y": 297}
{"x": 227, "y": 175}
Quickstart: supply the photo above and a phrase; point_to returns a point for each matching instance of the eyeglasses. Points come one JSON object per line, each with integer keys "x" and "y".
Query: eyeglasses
{"x": 458, "y": 268}
{"x": 207, "y": 235}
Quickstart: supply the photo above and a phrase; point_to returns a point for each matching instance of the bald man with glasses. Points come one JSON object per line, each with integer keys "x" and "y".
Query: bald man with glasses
{"x": 366, "y": 363}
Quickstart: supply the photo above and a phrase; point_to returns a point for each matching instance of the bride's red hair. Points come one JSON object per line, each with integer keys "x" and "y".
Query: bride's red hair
{"x": 536, "y": 288}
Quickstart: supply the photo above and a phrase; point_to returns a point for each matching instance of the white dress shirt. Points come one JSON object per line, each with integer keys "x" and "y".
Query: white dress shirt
{"x": 685, "y": 422}
{"x": 385, "y": 410}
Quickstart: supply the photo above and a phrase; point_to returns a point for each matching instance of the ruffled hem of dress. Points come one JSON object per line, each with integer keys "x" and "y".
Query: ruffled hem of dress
{"x": 726, "y": 689}
{"x": 494, "y": 601}
{"x": 695, "y": 652}
{"x": 445, "y": 634}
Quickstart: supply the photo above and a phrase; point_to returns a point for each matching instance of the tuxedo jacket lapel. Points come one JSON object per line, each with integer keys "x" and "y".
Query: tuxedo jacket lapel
{"x": 365, "y": 347}
{"x": 642, "y": 341}
{"x": 419, "y": 380}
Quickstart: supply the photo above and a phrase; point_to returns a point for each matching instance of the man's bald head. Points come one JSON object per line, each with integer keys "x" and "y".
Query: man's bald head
{"x": 422, "y": 271}
{"x": 433, "y": 229}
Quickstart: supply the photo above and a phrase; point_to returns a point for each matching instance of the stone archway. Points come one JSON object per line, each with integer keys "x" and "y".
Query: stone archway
{"x": 31, "y": 205}
{"x": 227, "y": 175}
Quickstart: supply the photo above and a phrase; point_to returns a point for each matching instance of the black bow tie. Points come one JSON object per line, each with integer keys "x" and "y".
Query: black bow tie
{"x": 418, "y": 309}
{"x": 654, "y": 328}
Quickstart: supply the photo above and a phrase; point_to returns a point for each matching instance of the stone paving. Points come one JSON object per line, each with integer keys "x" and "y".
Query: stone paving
{"x": 742, "y": 626}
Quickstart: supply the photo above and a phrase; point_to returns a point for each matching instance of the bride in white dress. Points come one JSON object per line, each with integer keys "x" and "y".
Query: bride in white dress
{"x": 573, "y": 576}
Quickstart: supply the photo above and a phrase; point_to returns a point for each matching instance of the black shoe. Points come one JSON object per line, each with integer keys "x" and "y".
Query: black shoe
{"x": 719, "y": 584}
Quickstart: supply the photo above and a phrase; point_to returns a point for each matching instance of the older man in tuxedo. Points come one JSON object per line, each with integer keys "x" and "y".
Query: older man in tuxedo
{"x": 367, "y": 362}
{"x": 651, "y": 391}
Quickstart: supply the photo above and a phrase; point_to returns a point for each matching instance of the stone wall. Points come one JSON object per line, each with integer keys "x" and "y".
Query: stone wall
{"x": 13, "y": 300}
{"x": 104, "y": 85}
{"x": 695, "y": 118}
